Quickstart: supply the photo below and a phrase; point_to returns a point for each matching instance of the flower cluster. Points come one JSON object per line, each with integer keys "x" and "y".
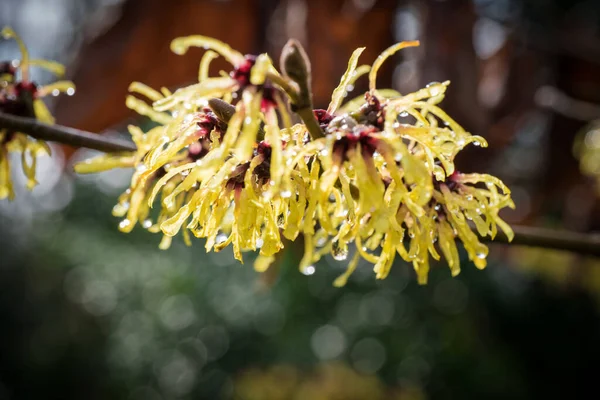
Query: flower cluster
{"x": 21, "y": 97}
{"x": 374, "y": 176}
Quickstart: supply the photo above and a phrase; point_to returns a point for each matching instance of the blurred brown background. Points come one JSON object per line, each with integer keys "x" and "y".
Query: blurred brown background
{"x": 512, "y": 64}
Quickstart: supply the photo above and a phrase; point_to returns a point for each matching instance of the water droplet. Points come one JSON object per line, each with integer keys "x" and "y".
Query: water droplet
{"x": 247, "y": 120}
{"x": 321, "y": 241}
{"x": 324, "y": 152}
{"x": 481, "y": 255}
{"x": 309, "y": 270}
{"x": 476, "y": 143}
{"x": 434, "y": 89}
{"x": 259, "y": 243}
{"x": 286, "y": 194}
{"x": 411, "y": 234}
{"x": 349, "y": 88}
{"x": 147, "y": 224}
{"x": 70, "y": 91}
{"x": 437, "y": 207}
{"x": 121, "y": 208}
{"x": 342, "y": 213}
{"x": 338, "y": 252}
{"x": 221, "y": 237}
{"x": 124, "y": 224}
{"x": 403, "y": 114}
{"x": 478, "y": 210}
{"x": 55, "y": 92}
{"x": 398, "y": 157}
{"x": 469, "y": 197}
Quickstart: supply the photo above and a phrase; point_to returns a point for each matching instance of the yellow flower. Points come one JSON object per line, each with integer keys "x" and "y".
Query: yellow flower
{"x": 380, "y": 178}
{"x": 135, "y": 204}
{"x": 383, "y": 160}
{"x": 21, "y": 97}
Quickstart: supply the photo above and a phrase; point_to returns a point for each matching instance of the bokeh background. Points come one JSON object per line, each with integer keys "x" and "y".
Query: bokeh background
{"x": 88, "y": 312}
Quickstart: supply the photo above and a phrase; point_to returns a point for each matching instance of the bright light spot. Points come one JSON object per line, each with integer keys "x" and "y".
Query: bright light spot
{"x": 488, "y": 37}
{"x": 328, "y": 342}
{"x": 177, "y": 312}
{"x": 309, "y": 270}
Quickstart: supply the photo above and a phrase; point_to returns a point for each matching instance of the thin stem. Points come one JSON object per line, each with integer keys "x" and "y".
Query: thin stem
{"x": 64, "y": 135}
{"x": 582, "y": 243}
{"x": 289, "y": 87}
{"x": 586, "y": 244}
{"x": 296, "y": 67}
{"x": 308, "y": 117}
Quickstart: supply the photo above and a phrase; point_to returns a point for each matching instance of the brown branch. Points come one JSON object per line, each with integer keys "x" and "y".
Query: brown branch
{"x": 65, "y": 135}
{"x": 582, "y": 243}
{"x": 587, "y": 244}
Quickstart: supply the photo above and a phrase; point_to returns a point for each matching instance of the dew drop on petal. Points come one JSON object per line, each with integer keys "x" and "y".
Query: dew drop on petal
{"x": 309, "y": 270}
{"x": 221, "y": 237}
{"x": 338, "y": 252}
{"x": 147, "y": 224}
{"x": 124, "y": 224}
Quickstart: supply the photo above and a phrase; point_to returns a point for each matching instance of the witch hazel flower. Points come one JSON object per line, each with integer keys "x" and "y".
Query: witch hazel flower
{"x": 19, "y": 96}
{"x": 373, "y": 176}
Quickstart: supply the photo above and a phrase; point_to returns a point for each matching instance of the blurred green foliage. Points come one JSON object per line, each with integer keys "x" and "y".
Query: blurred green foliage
{"x": 88, "y": 312}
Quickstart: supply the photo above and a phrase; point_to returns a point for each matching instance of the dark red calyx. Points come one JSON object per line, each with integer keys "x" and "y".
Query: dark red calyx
{"x": 451, "y": 182}
{"x": 268, "y": 101}
{"x": 7, "y": 68}
{"x": 372, "y": 112}
{"x": 359, "y": 135}
{"x": 264, "y": 148}
{"x": 15, "y": 101}
{"x": 323, "y": 117}
{"x": 26, "y": 87}
{"x": 207, "y": 122}
{"x": 241, "y": 73}
{"x": 236, "y": 178}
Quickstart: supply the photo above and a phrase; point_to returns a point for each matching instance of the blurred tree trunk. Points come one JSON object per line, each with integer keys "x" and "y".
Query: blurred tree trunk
{"x": 136, "y": 48}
